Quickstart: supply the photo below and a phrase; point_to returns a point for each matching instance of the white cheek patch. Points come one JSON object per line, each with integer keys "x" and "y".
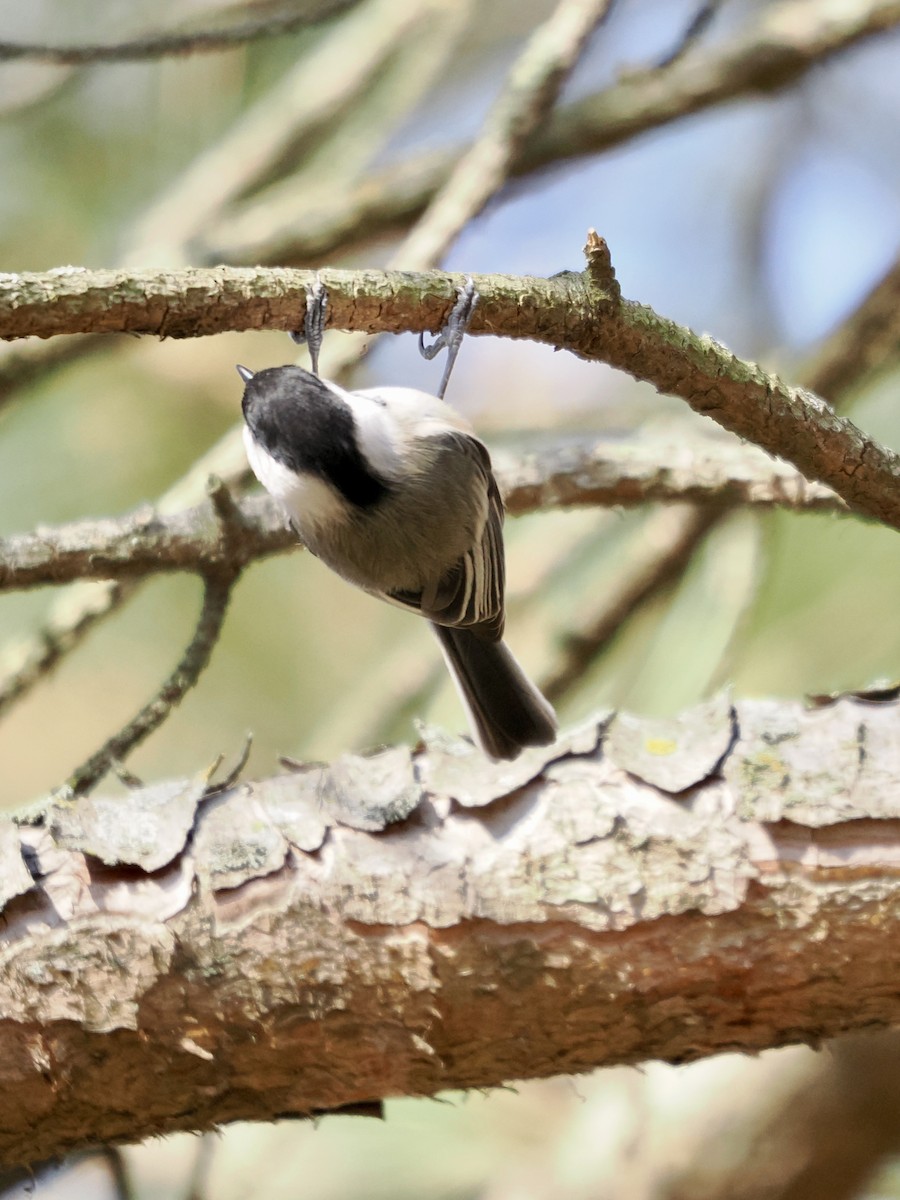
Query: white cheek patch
{"x": 308, "y": 501}
{"x": 376, "y": 432}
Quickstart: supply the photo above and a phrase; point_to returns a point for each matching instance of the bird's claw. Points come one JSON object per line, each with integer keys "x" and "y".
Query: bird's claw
{"x": 451, "y": 336}
{"x": 314, "y": 325}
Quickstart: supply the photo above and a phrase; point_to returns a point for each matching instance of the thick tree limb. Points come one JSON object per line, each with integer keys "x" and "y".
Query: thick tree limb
{"x": 394, "y": 926}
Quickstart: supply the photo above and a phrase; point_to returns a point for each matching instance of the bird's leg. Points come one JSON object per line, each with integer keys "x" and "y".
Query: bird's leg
{"x": 451, "y": 336}
{"x": 314, "y": 324}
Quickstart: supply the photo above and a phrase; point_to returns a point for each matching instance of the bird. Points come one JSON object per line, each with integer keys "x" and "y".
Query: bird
{"x": 391, "y": 489}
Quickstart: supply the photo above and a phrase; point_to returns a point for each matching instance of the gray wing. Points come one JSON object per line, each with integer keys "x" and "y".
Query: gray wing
{"x": 471, "y": 593}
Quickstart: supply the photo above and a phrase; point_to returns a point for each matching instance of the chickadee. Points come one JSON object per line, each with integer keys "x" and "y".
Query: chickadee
{"x": 393, "y": 491}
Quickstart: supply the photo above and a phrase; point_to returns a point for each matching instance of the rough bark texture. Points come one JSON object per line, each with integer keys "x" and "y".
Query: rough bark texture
{"x": 403, "y": 923}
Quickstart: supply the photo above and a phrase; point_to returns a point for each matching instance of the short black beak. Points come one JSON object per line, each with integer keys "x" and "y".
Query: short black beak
{"x": 245, "y": 373}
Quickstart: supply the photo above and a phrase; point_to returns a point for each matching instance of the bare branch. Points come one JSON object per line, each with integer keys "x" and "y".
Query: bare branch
{"x": 567, "y": 311}
{"x": 216, "y": 594}
{"x": 867, "y": 341}
{"x": 530, "y": 91}
{"x": 310, "y": 96}
{"x": 74, "y": 614}
{"x": 661, "y": 890}
{"x": 23, "y": 362}
{"x": 166, "y": 45}
{"x": 128, "y": 547}
{"x": 575, "y": 472}
{"x": 693, "y": 31}
{"x": 24, "y": 662}
{"x": 800, "y": 1127}
{"x": 118, "y": 1171}
{"x": 656, "y": 559}
{"x": 790, "y": 38}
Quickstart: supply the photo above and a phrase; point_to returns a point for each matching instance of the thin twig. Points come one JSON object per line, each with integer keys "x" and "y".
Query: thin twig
{"x": 530, "y": 91}
{"x": 118, "y": 1170}
{"x": 30, "y": 359}
{"x": 659, "y": 556}
{"x": 216, "y": 594}
{"x": 167, "y": 45}
{"x": 73, "y": 615}
{"x": 198, "y": 1185}
{"x": 26, "y": 661}
{"x": 692, "y": 32}
{"x": 867, "y": 341}
{"x": 340, "y": 158}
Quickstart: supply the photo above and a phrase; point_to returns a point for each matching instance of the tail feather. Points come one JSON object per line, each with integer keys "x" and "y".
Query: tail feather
{"x": 506, "y": 711}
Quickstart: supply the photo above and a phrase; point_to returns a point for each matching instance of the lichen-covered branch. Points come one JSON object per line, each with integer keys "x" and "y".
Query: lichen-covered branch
{"x": 174, "y": 959}
{"x": 142, "y": 543}
{"x": 567, "y": 311}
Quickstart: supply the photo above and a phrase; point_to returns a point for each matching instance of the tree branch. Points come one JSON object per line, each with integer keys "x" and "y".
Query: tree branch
{"x": 725, "y": 881}
{"x": 793, "y": 37}
{"x": 24, "y": 662}
{"x": 567, "y": 311}
{"x": 163, "y": 45}
{"x": 789, "y": 39}
{"x": 575, "y": 472}
{"x": 530, "y": 91}
{"x": 216, "y": 594}
{"x": 306, "y": 100}
{"x": 75, "y": 613}
{"x": 693, "y": 31}
{"x": 658, "y": 557}
{"x": 868, "y": 341}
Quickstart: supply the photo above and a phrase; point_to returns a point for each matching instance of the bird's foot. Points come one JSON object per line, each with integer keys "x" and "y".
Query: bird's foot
{"x": 314, "y": 324}
{"x": 451, "y": 336}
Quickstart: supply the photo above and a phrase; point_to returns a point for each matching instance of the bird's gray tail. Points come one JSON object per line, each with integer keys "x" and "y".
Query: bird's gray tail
{"x": 506, "y": 711}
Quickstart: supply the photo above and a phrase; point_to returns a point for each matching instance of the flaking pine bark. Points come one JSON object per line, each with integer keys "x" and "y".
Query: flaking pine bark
{"x": 404, "y": 922}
